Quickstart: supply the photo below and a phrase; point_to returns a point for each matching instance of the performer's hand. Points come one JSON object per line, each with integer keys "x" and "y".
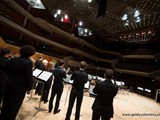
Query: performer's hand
{"x": 68, "y": 69}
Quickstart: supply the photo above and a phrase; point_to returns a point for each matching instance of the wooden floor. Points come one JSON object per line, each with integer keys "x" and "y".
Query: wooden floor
{"x": 125, "y": 103}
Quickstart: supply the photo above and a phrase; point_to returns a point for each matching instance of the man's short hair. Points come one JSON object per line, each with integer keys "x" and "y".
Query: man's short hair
{"x": 61, "y": 63}
{"x": 40, "y": 57}
{"x": 83, "y": 64}
{"x": 5, "y": 51}
{"x": 109, "y": 74}
{"x": 27, "y": 51}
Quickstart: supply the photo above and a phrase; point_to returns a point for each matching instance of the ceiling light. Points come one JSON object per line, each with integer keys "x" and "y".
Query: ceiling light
{"x": 84, "y": 32}
{"x": 38, "y": 1}
{"x": 149, "y": 32}
{"x": 89, "y": 1}
{"x": 131, "y": 16}
{"x": 66, "y": 19}
{"x": 136, "y": 13}
{"x": 90, "y": 33}
{"x": 58, "y": 11}
{"x": 60, "y": 15}
{"x": 36, "y": 4}
{"x": 126, "y": 23}
{"x": 66, "y": 16}
{"x": 125, "y": 16}
{"x": 80, "y": 23}
{"x": 138, "y": 19}
{"x": 55, "y": 15}
{"x": 62, "y": 19}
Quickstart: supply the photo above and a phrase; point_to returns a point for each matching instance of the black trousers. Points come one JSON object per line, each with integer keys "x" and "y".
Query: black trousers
{"x": 47, "y": 87}
{"x": 1, "y": 92}
{"x": 74, "y": 95}
{"x": 11, "y": 106}
{"x": 56, "y": 90}
{"x": 97, "y": 116}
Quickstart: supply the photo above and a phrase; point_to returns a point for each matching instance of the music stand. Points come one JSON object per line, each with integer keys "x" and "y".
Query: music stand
{"x": 86, "y": 86}
{"x": 36, "y": 73}
{"x": 42, "y": 78}
{"x": 157, "y": 96}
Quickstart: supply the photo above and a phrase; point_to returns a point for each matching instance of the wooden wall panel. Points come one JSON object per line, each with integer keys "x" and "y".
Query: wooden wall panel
{"x": 15, "y": 49}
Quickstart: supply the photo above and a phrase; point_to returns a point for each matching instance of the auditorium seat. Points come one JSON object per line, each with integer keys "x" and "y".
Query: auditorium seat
{"x": 147, "y": 92}
{"x": 121, "y": 86}
{"x": 157, "y": 98}
{"x": 140, "y": 90}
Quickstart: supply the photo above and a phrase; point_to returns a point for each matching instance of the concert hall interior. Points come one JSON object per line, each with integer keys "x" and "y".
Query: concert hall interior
{"x": 122, "y": 35}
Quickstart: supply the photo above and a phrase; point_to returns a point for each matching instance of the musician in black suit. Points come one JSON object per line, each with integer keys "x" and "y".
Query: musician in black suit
{"x": 20, "y": 81}
{"x": 39, "y": 64}
{"x": 103, "y": 104}
{"x": 4, "y": 57}
{"x": 80, "y": 78}
{"x": 57, "y": 87}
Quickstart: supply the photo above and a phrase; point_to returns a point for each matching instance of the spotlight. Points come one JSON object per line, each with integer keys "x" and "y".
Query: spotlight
{"x": 125, "y": 16}
{"x": 89, "y": 1}
{"x": 131, "y": 16}
{"x": 80, "y": 23}
{"x": 58, "y": 11}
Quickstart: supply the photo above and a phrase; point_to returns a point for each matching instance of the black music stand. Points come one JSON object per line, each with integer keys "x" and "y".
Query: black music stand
{"x": 36, "y": 73}
{"x": 42, "y": 78}
{"x": 157, "y": 98}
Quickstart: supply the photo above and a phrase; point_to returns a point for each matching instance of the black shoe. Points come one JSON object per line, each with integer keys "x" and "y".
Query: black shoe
{"x": 57, "y": 111}
{"x": 49, "y": 111}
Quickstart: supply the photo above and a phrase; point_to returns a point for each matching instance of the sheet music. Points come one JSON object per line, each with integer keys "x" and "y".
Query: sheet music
{"x": 36, "y": 72}
{"x": 89, "y": 77}
{"x": 68, "y": 79}
{"x": 87, "y": 85}
{"x": 91, "y": 90}
{"x": 118, "y": 83}
{"x": 45, "y": 75}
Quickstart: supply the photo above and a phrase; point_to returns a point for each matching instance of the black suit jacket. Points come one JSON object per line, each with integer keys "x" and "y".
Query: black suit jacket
{"x": 59, "y": 73}
{"x": 80, "y": 78}
{"x": 20, "y": 75}
{"x": 39, "y": 65}
{"x": 3, "y": 74}
{"x": 103, "y": 103}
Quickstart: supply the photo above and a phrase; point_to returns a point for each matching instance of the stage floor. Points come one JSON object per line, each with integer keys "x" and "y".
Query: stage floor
{"x": 127, "y": 106}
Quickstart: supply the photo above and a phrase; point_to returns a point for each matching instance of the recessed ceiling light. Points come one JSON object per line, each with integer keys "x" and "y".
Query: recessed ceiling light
{"x": 36, "y": 4}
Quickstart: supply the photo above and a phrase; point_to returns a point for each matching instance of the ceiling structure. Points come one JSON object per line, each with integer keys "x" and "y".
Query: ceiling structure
{"x": 111, "y": 27}
{"x": 111, "y": 41}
